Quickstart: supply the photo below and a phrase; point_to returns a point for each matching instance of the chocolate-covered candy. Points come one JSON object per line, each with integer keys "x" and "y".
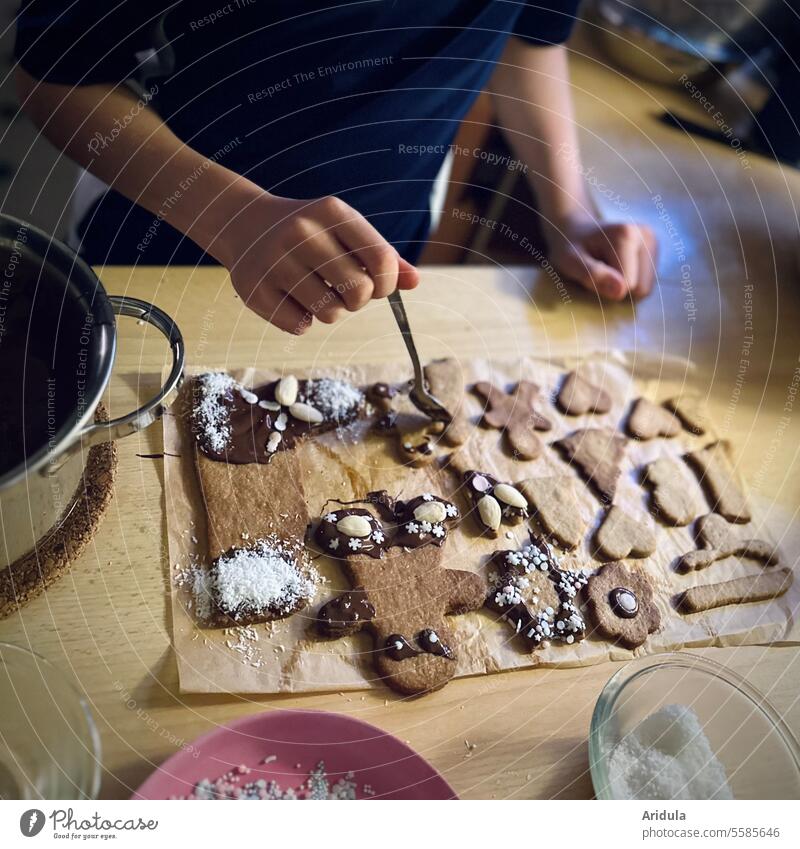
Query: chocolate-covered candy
{"x": 624, "y": 602}
{"x": 379, "y": 393}
{"x": 345, "y": 614}
{"x": 424, "y": 520}
{"x": 495, "y": 501}
{"x": 430, "y": 642}
{"x": 349, "y": 531}
{"x": 397, "y": 647}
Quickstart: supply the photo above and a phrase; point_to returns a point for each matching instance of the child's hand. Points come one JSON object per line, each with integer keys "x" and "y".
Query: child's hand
{"x": 292, "y": 261}
{"x": 617, "y": 261}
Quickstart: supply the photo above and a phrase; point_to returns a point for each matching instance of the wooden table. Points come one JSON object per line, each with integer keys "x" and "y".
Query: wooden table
{"x": 107, "y": 621}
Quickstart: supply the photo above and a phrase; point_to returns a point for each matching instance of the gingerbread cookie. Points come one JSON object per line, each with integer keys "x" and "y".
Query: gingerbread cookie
{"x": 714, "y": 471}
{"x": 577, "y": 396}
{"x": 621, "y": 535}
{"x": 419, "y": 438}
{"x": 531, "y": 592}
{"x": 403, "y": 599}
{"x": 598, "y": 453}
{"x": 555, "y": 501}
{"x": 239, "y": 426}
{"x": 691, "y": 411}
{"x": 269, "y": 579}
{"x": 762, "y": 587}
{"x": 672, "y": 498}
{"x": 494, "y": 503}
{"x": 515, "y": 416}
{"x": 719, "y": 539}
{"x": 620, "y": 605}
{"x": 648, "y": 420}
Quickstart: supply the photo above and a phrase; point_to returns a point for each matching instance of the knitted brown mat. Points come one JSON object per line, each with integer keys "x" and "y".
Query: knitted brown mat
{"x": 32, "y": 573}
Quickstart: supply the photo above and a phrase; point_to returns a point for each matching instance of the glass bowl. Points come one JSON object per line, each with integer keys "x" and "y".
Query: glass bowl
{"x": 49, "y": 745}
{"x": 760, "y": 755}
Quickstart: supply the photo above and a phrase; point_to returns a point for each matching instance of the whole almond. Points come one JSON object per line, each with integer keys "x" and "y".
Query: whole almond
{"x": 431, "y": 511}
{"x": 508, "y": 495}
{"x": 306, "y": 413}
{"x": 490, "y": 512}
{"x": 286, "y": 390}
{"x": 354, "y": 526}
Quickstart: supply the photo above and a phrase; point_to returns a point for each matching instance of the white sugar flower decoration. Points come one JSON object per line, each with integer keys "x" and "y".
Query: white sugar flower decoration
{"x": 438, "y": 531}
{"x": 334, "y": 544}
{"x": 331, "y": 517}
{"x": 451, "y": 510}
{"x": 426, "y": 496}
{"x": 354, "y": 543}
{"x": 425, "y": 527}
{"x": 412, "y": 527}
{"x": 378, "y": 536}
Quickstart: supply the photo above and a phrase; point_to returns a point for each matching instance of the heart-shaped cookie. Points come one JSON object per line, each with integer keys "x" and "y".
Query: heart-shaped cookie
{"x": 621, "y": 535}
{"x": 577, "y": 396}
{"x": 648, "y": 420}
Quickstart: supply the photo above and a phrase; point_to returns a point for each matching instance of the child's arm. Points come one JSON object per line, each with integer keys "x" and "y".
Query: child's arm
{"x": 279, "y": 251}
{"x": 534, "y": 106}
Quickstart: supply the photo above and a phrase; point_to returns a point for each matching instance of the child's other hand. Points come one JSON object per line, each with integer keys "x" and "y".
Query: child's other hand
{"x": 292, "y": 261}
{"x": 616, "y": 260}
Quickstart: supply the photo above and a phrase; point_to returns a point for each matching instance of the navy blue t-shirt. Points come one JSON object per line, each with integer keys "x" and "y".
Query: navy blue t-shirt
{"x": 359, "y": 100}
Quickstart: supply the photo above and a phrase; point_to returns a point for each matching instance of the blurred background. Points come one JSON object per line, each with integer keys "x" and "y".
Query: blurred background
{"x": 731, "y": 51}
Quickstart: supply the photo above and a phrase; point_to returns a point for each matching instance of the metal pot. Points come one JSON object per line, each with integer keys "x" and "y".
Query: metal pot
{"x": 57, "y": 346}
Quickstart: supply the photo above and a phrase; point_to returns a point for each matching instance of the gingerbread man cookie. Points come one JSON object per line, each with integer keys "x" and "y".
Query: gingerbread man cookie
{"x": 403, "y": 598}
{"x": 719, "y": 539}
{"x": 620, "y": 605}
{"x": 515, "y": 416}
{"x": 529, "y": 590}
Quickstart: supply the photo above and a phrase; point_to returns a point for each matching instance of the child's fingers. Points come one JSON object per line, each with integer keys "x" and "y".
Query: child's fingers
{"x": 318, "y": 299}
{"x": 280, "y": 309}
{"x": 407, "y": 274}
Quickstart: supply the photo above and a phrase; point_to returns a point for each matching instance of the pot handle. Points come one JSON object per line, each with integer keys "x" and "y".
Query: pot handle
{"x": 153, "y": 409}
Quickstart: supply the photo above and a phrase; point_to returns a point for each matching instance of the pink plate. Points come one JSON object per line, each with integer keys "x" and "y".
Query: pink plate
{"x": 294, "y": 742}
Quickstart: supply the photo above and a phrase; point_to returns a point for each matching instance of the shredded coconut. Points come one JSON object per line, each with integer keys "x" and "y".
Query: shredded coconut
{"x": 337, "y": 400}
{"x": 263, "y": 577}
{"x": 667, "y": 756}
{"x": 211, "y": 417}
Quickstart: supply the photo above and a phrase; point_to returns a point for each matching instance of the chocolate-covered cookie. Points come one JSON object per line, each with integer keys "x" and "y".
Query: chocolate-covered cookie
{"x": 530, "y": 590}
{"x": 412, "y": 594}
{"x": 620, "y": 605}
{"x": 349, "y": 531}
{"x": 494, "y": 502}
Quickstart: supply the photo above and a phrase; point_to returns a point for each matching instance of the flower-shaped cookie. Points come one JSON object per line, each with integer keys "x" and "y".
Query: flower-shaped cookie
{"x": 620, "y": 605}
